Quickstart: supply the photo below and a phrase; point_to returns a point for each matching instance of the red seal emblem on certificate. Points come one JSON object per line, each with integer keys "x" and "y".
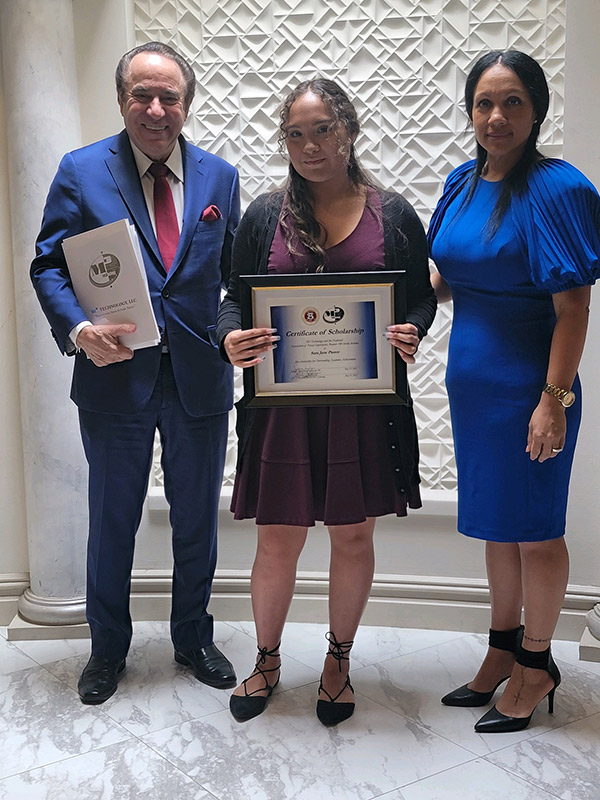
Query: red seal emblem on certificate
{"x": 310, "y": 316}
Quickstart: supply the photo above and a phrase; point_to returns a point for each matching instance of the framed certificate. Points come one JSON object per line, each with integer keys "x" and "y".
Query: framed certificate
{"x": 332, "y": 348}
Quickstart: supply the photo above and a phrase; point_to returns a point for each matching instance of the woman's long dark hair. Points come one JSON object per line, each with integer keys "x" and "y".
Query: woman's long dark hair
{"x": 533, "y": 79}
{"x": 297, "y": 216}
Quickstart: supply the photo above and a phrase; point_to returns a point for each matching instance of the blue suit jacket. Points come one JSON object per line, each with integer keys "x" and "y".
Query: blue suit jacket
{"x": 99, "y": 184}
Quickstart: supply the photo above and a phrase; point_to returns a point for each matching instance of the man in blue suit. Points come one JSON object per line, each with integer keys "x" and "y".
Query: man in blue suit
{"x": 181, "y": 387}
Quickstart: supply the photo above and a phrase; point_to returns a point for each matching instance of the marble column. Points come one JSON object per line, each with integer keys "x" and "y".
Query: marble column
{"x": 42, "y": 120}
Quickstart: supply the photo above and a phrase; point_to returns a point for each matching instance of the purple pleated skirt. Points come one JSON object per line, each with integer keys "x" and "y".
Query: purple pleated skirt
{"x": 327, "y": 463}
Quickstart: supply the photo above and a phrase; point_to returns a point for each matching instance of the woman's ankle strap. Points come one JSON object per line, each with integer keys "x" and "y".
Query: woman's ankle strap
{"x": 264, "y": 652}
{"x": 505, "y": 640}
{"x": 533, "y": 659}
{"x": 338, "y": 650}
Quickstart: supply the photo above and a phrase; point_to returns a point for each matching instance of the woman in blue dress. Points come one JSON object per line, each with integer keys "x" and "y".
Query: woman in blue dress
{"x": 515, "y": 238}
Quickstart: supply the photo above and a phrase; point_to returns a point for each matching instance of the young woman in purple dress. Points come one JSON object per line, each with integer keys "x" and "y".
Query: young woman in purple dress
{"x": 341, "y": 465}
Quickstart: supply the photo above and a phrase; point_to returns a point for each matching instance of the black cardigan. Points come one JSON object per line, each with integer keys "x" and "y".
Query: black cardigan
{"x": 405, "y": 247}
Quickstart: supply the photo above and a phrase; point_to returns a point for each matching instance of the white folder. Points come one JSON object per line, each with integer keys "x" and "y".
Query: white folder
{"x": 110, "y": 281}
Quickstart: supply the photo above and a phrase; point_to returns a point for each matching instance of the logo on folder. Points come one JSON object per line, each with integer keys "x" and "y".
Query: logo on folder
{"x": 105, "y": 270}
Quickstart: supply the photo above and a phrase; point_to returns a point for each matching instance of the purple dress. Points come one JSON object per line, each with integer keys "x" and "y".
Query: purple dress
{"x": 331, "y": 463}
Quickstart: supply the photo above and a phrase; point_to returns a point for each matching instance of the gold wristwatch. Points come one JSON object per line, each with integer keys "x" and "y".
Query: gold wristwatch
{"x": 564, "y": 396}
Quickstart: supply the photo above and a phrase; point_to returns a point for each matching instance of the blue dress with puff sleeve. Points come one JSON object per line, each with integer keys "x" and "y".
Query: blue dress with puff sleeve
{"x": 548, "y": 241}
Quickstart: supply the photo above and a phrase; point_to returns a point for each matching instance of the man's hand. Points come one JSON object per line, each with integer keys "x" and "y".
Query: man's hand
{"x": 100, "y": 343}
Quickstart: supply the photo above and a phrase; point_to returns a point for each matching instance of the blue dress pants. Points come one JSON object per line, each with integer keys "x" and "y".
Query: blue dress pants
{"x": 118, "y": 449}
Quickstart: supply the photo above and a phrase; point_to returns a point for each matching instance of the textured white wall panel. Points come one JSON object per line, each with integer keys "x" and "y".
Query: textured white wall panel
{"x": 404, "y": 63}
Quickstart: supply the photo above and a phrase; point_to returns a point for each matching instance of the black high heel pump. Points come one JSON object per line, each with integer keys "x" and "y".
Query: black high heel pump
{"x": 469, "y": 698}
{"x": 329, "y": 711}
{"x": 496, "y": 722}
{"x": 248, "y": 705}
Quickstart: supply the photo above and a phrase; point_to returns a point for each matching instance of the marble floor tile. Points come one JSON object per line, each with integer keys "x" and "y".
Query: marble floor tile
{"x": 44, "y": 651}
{"x": 155, "y": 692}
{"x": 42, "y": 720}
{"x": 569, "y": 651}
{"x": 565, "y": 761}
{"x": 12, "y": 658}
{"x": 476, "y": 779}
{"x": 413, "y": 684}
{"x": 164, "y": 735}
{"x": 287, "y": 753}
{"x": 306, "y": 642}
{"x": 118, "y": 772}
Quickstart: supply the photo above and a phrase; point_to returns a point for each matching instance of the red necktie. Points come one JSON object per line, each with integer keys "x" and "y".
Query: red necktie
{"x": 167, "y": 227}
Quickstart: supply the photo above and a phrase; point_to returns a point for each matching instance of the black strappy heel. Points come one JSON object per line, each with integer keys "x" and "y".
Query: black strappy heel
{"x": 246, "y": 706}
{"x": 469, "y": 698}
{"x": 329, "y": 711}
{"x": 496, "y": 722}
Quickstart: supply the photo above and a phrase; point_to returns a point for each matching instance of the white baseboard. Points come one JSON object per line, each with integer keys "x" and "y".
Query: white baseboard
{"x": 589, "y": 647}
{"x": 396, "y": 601}
{"x": 12, "y": 586}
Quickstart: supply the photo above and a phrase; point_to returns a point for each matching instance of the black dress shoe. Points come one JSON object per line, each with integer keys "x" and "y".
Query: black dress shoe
{"x": 99, "y": 679}
{"x": 497, "y": 722}
{"x": 469, "y": 698}
{"x": 250, "y": 704}
{"x": 209, "y": 666}
{"x": 329, "y": 711}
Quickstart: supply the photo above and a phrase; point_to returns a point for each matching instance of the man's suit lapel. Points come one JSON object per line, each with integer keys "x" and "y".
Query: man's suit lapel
{"x": 194, "y": 200}
{"x": 124, "y": 170}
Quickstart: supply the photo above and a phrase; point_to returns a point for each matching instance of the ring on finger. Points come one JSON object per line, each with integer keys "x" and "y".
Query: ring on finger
{"x": 557, "y": 449}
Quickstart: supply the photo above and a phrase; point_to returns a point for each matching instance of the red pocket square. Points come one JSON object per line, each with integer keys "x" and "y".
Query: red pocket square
{"x": 210, "y": 214}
